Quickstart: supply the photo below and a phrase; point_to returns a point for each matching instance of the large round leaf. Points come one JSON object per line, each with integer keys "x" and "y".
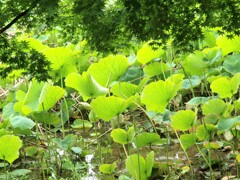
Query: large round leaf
{"x": 9, "y": 147}
{"x": 205, "y": 131}
{"x": 22, "y": 122}
{"x": 124, "y": 89}
{"x": 46, "y": 117}
{"x": 157, "y": 95}
{"x": 145, "y": 138}
{"x": 147, "y": 53}
{"x": 195, "y": 64}
{"x": 228, "y": 123}
{"x": 85, "y": 85}
{"x": 226, "y": 87}
{"x": 108, "y": 107}
{"x": 183, "y": 120}
{"x": 228, "y": 45}
{"x": 214, "y": 106}
{"x": 109, "y": 69}
{"x": 232, "y": 64}
{"x": 155, "y": 68}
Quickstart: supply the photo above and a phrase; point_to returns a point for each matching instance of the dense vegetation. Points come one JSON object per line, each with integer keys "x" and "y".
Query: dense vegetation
{"x": 119, "y": 89}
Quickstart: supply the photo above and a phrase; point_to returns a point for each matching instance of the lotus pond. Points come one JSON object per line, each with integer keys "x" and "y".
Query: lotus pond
{"x": 145, "y": 114}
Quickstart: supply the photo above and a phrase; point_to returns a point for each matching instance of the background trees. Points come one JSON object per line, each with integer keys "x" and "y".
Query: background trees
{"x": 112, "y": 25}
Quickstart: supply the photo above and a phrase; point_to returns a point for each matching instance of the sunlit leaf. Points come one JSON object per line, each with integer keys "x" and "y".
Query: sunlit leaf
{"x": 135, "y": 165}
{"x": 155, "y": 68}
{"x": 107, "y": 168}
{"x": 157, "y": 95}
{"x": 9, "y": 147}
{"x": 213, "y": 144}
{"x": 149, "y": 163}
{"x": 109, "y": 69}
{"x": 146, "y": 54}
{"x": 124, "y": 89}
{"x": 187, "y": 140}
{"x": 183, "y": 120}
{"x": 238, "y": 158}
{"x": 120, "y": 136}
{"x": 228, "y": 45}
{"x": 195, "y": 64}
{"x": 85, "y": 85}
{"x": 209, "y": 38}
{"x": 226, "y": 87}
{"x": 49, "y": 96}
{"x": 108, "y": 107}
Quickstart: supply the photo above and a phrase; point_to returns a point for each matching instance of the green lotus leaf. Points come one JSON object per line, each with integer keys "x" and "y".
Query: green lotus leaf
{"x": 226, "y": 87}
{"x": 39, "y": 97}
{"x": 232, "y": 64}
{"x": 209, "y": 38}
{"x": 228, "y": 45}
{"x": 65, "y": 143}
{"x": 214, "y": 55}
{"x": 213, "y": 144}
{"x": 155, "y": 68}
{"x": 9, "y": 147}
{"x": 228, "y": 123}
{"x": 187, "y": 140}
{"x": 195, "y": 64}
{"x": 49, "y": 96}
{"x": 8, "y": 111}
{"x": 35, "y": 44}
{"x": 108, "y": 107}
{"x": 191, "y": 82}
{"x": 59, "y": 57}
{"x": 198, "y": 100}
{"x": 214, "y": 106}
{"x": 124, "y": 89}
{"x": 145, "y": 138}
{"x": 107, "y": 168}
{"x": 149, "y": 163}
{"x": 31, "y": 100}
{"x": 46, "y": 117}
{"x": 132, "y": 75}
{"x": 205, "y": 131}
{"x": 120, "y": 136}
{"x": 109, "y": 69}
{"x": 140, "y": 168}
{"x": 183, "y": 120}
{"x": 135, "y": 165}
{"x": 157, "y": 95}
{"x": 22, "y": 122}
{"x": 85, "y": 85}
{"x": 147, "y": 53}
{"x": 79, "y": 123}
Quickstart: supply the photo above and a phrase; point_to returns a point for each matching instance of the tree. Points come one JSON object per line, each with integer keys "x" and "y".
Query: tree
{"x": 111, "y": 25}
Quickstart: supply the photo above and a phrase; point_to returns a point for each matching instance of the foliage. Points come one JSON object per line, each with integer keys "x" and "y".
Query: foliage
{"x": 109, "y": 26}
{"x": 119, "y": 107}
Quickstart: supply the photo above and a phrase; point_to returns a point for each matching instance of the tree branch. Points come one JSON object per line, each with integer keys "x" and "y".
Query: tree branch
{"x": 24, "y": 13}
